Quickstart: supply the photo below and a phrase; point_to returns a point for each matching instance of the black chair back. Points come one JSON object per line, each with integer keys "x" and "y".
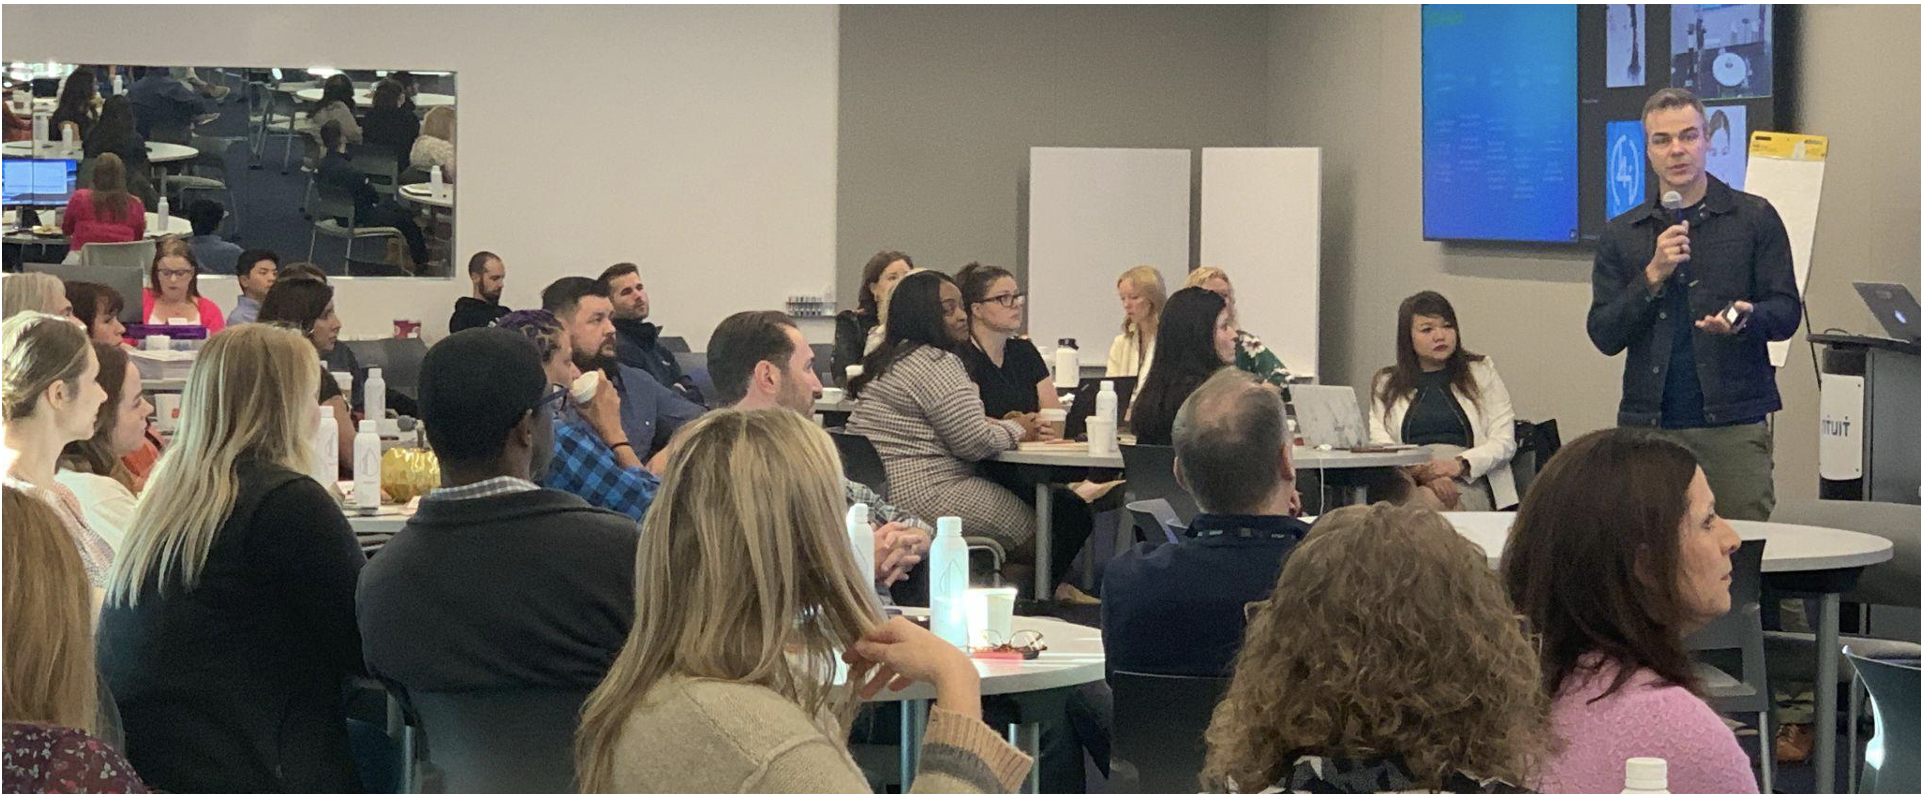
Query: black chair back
{"x": 1746, "y": 591}
{"x": 1151, "y": 471}
{"x": 860, "y": 462}
{"x": 506, "y": 741}
{"x": 674, "y": 343}
{"x": 1159, "y": 725}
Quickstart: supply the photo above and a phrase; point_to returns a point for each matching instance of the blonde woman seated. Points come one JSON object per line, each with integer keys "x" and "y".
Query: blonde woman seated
{"x": 1251, "y": 355}
{"x": 1387, "y": 660}
{"x": 746, "y": 594}
{"x": 1142, "y": 294}
{"x": 435, "y": 146}
{"x": 1451, "y": 400}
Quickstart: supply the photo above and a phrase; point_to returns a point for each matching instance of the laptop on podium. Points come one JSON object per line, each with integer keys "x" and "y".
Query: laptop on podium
{"x": 1893, "y": 306}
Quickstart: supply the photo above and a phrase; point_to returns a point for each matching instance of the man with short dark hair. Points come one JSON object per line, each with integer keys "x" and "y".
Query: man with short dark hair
{"x": 650, "y": 412}
{"x": 496, "y": 583}
{"x": 489, "y": 275}
{"x": 638, "y": 341}
{"x": 370, "y": 210}
{"x": 212, "y": 253}
{"x": 257, "y": 270}
{"x": 1178, "y": 608}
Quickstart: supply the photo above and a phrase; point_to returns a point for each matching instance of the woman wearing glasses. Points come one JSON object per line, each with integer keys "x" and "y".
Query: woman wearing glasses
{"x": 1012, "y": 375}
{"x": 174, "y": 292}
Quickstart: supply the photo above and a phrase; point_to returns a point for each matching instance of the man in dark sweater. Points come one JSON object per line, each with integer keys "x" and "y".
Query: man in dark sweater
{"x": 496, "y": 583}
{"x": 638, "y": 341}
{"x": 1177, "y": 608}
{"x": 489, "y": 275}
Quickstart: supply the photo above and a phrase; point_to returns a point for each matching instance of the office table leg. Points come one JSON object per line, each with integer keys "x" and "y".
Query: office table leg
{"x": 1825, "y": 757}
{"x": 1027, "y": 737}
{"x": 1044, "y": 515}
{"x": 915, "y": 719}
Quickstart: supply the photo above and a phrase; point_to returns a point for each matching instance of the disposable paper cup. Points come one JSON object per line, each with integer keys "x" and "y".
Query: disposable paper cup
{"x": 167, "y": 411}
{"x": 991, "y": 615}
{"x": 1055, "y": 417}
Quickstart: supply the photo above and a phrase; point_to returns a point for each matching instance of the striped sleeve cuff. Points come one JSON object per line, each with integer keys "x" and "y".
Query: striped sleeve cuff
{"x": 961, "y": 754}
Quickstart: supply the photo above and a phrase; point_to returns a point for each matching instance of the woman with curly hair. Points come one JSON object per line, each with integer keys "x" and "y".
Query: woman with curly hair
{"x": 1387, "y": 659}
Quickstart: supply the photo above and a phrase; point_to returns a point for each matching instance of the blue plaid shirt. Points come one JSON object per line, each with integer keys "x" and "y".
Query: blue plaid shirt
{"x": 585, "y": 467}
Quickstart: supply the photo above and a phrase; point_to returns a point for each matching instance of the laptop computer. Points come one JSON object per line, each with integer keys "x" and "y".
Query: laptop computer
{"x": 1893, "y": 306}
{"x": 1329, "y": 415}
{"x": 1084, "y": 405}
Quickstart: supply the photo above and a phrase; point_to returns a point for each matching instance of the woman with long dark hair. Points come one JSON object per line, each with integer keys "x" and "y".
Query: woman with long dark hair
{"x": 336, "y": 105}
{"x": 91, "y": 468}
{"x": 1197, "y": 336}
{"x": 1618, "y": 554}
{"x": 78, "y": 106}
{"x": 388, "y": 124}
{"x": 1450, "y": 399}
{"x": 98, "y": 306}
{"x": 852, "y": 327}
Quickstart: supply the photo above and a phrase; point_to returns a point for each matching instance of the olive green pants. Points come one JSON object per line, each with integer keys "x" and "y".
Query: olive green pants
{"x": 1738, "y": 463}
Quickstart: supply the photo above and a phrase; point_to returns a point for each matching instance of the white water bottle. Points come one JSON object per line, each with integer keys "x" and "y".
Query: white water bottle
{"x": 437, "y": 186}
{"x": 1646, "y": 775}
{"x": 861, "y": 538}
{"x": 1068, "y": 364}
{"x": 161, "y": 211}
{"x": 119, "y": 84}
{"x": 40, "y": 124}
{"x": 949, "y": 582}
{"x": 367, "y": 469}
{"x": 68, "y": 145}
{"x": 374, "y": 398}
{"x": 327, "y": 450}
{"x": 1106, "y": 401}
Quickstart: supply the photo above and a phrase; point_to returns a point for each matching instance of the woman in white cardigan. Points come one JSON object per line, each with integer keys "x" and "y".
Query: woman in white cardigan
{"x": 1142, "y": 294}
{"x": 1450, "y": 399}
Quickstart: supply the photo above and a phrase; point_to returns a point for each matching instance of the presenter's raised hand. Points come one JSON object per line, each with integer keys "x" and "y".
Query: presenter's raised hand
{"x": 1673, "y": 249}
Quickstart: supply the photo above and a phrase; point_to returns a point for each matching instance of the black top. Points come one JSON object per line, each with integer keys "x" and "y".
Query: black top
{"x": 1435, "y": 417}
{"x": 534, "y": 589}
{"x": 638, "y": 344}
{"x": 1177, "y": 609}
{"x": 470, "y": 312}
{"x": 851, "y": 342}
{"x": 392, "y": 128}
{"x": 1153, "y": 418}
{"x": 1011, "y": 387}
{"x": 339, "y": 172}
{"x": 84, "y": 120}
{"x": 329, "y": 388}
{"x": 235, "y": 686}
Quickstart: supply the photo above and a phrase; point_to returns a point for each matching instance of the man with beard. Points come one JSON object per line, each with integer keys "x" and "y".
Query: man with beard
{"x": 489, "y": 275}
{"x": 650, "y": 412}
{"x": 638, "y": 341}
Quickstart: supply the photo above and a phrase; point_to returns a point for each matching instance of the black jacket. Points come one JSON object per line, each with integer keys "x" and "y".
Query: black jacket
{"x": 235, "y": 686}
{"x": 638, "y": 344}
{"x": 1739, "y": 250}
{"x": 851, "y": 343}
{"x": 470, "y": 312}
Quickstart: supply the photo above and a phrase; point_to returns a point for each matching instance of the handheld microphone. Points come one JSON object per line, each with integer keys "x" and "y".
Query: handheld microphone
{"x": 1673, "y": 202}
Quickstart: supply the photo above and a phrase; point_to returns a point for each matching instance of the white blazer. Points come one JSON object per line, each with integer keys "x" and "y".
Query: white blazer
{"x": 1492, "y": 428}
{"x": 1123, "y": 354}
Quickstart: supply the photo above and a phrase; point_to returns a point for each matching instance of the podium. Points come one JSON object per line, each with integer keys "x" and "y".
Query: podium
{"x": 1867, "y": 436}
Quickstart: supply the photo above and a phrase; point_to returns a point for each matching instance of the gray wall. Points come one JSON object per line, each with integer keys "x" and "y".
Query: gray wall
{"x": 940, "y": 105}
{"x": 1348, "y": 79}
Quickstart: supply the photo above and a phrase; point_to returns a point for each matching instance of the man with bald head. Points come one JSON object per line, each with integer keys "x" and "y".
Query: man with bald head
{"x": 1177, "y": 608}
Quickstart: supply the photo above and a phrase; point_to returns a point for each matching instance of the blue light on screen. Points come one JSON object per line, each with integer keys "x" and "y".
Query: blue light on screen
{"x": 1623, "y": 168}
{"x": 1500, "y": 122}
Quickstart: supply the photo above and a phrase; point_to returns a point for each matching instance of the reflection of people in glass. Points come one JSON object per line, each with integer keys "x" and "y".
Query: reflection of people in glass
{"x": 1719, "y": 134}
{"x": 1635, "y": 70}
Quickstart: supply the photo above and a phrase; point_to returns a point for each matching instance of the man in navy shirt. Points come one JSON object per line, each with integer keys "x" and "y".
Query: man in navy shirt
{"x": 1178, "y": 608}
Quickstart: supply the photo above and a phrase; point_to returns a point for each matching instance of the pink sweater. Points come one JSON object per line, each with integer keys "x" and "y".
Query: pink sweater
{"x": 1643, "y": 718}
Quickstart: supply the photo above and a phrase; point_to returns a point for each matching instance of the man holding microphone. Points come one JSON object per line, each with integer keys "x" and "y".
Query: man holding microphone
{"x": 1693, "y": 284}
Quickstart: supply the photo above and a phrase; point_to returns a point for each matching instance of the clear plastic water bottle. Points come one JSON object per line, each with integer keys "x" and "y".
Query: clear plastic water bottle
{"x": 327, "y": 450}
{"x": 949, "y": 582}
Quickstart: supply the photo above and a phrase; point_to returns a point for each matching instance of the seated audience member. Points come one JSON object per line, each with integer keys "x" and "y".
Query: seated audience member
{"x": 926, "y": 420}
{"x": 97, "y": 306}
{"x": 114, "y": 133}
{"x": 591, "y": 455}
{"x": 650, "y": 412}
{"x": 852, "y": 327}
{"x": 1197, "y": 336}
{"x": 35, "y": 291}
{"x": 496, "y": 583}
{"x": 229, "y": 623}
{"x": 77, "y": 109}
{"x": 336, "y": 105}
{"x": 212, "y": 252}
{"x": 1251, "y": 355}
{"x": 759, "y": 359}
{"x": 18, "y": 127}
{"x": 1142, "y": 294}
{"x": 105, "y": 213}
{"x": 54, "y": 724}
{"x": 165, "y": 107}
{"x": 488, "y": 275}
{"x": 257, "y": 270}
{"x": 307, "y": 307}
{"x": 370, "y": 210}
{"x": 706, "y": 697}
{"x": 388, "y": 125}
{"x": 637, "y": 340}
{"x": 1616, "y": 557}
{"x": 1010, "y": 373}
{"x": 1451, "y": 400}
{"x": 435, "y": 146}
{"x": 52, "y": 398}
{"x": 174, "y": 289}
{"x": 1387, "y": 659}
{"x": 1177, "y": 608}
{"x": 91, "y": 468}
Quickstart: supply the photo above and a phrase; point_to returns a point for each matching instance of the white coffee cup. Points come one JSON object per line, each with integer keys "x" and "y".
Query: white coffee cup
{"x": 585, "y": 387}
{"x": 167, "y": 411}
{"x": 853, "y": 371}
{"x": 1055, "y": 418}
{"x": 157, "y": 343}
{"x": 991, "y": 612}
{"x": 832, "y": 395}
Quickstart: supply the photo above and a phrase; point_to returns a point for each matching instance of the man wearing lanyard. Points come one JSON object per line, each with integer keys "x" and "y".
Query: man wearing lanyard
{"x": 1695, "y": 292}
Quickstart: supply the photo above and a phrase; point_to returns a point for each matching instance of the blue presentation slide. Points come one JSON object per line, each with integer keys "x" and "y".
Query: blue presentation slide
{"x": 1624, "y": 168}
{"x": 1500, "y": 122}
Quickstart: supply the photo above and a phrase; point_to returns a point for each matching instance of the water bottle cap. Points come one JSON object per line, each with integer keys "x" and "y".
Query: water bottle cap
{"x": 1068, "y": 342}
{"x": 374, "y": 372}
{"x": 1645, "y": 773}
{"x": 948, "y": 526}
{"x": 369, "y": 425}
{"x": 1108, "y": 385}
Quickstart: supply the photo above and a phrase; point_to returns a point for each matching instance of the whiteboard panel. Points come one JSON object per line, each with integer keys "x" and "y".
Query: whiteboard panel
{"x": 1094, "y": 213}
{"x": 1261, "y": 223}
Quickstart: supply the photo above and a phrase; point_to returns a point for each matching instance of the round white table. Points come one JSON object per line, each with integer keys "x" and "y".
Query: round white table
{"x": 364, "y": 98}
{"x": 1074, "y": 658}
{"x": 420, "y": 194}
{"x": 158, "y": 152}
{"x": 177, "y": 225}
